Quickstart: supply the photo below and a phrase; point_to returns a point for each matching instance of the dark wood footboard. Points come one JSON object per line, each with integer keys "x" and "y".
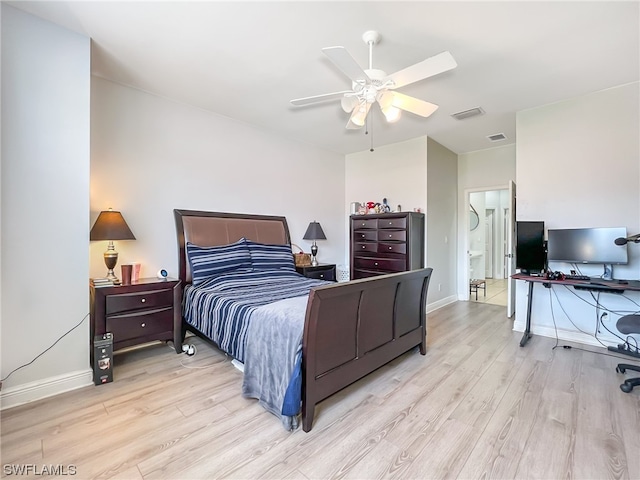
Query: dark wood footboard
{"x": 352, "y": 329}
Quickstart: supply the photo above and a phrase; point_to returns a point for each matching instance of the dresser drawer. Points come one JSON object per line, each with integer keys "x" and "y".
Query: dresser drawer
{"x": 386, "y": 264}
{"x": 392, "y": 248}
{"x": 365, "y": 247}
{"x": 396, "y": 235}
{"x": 140, "y": 324}
{"x": 370, "y": 223}
{"x": 392, "y": 222}
{"x": 137, "y": 300}
{"x": 364, "y": 274}
{"x": 365, "y": 235}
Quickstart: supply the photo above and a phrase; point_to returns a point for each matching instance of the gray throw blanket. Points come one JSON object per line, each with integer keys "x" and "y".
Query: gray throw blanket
{"x": 273, "y": 337}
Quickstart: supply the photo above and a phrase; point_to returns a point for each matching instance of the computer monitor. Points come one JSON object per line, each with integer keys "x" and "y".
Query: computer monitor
{"x": 587, "y": 245}
{"x": 530, "y": 247}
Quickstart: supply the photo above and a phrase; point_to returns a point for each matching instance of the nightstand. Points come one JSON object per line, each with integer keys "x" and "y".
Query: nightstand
{"x": 146, "y": 310}
{"x": 322, "y": 271}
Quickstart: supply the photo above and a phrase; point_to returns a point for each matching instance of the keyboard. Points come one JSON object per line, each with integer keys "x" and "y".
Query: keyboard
{"x": 577, "y": 277}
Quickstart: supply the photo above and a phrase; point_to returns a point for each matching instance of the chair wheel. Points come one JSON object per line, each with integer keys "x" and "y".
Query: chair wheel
{"x": 621, "y": 369}
{"x": 626, "y": 388}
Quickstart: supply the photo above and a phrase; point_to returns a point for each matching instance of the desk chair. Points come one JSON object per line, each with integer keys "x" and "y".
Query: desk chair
{"x": 628, "y": 324}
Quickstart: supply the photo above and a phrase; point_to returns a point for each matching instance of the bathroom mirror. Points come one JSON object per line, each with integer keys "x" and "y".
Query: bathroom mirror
{"x": 474, "y": 219}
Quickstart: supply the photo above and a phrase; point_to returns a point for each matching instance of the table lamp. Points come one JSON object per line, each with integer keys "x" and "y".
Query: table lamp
{"x": 314, "y": 232}
{"x": 110, "y": 225}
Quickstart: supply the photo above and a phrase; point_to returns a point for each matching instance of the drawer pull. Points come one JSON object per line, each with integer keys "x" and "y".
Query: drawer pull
{"x": 143, "y": 300}
{"x": 322, "y": 275}
{"x": 390, "y": 223}
{"x": 390, "y": 235}
{"x": 390, "y": 248}
{"x": 376, "y": 264}
{"x": 363, "y": 246}
{"x": 143, "y": 325}
{"x": 362, "y": 235}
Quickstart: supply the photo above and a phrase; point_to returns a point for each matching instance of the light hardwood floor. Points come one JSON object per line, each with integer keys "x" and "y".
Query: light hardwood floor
{"x": 476, "y": 406}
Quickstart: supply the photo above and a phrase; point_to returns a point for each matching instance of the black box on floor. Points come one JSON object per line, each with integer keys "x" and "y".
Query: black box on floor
{"x": 103, "y": 359}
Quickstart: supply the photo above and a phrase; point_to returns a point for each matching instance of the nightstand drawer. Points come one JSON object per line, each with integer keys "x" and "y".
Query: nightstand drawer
{"x": 140, "y": 324}
{"x": 137, "y": 300}
{"x": 328, "y": 274}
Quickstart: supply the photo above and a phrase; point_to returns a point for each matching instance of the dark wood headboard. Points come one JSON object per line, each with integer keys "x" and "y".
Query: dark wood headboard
{"x": 208, "y": 229}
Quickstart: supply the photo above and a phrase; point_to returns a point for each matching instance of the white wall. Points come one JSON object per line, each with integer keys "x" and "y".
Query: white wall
{"x": 578, "y": 165}
{"x": 397, "y": 172}
{"x": 490, "y": 169}
{"x": 45, "y": 205}
{"x": 418, "y": 173}
{"x": 150, "y": 155}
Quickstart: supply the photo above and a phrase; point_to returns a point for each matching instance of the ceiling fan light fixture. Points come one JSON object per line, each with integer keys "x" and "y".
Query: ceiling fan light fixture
{"x": 359, "y": 118}
{"x": 348, "y": 103}
{"x": 359, "y": 115}
{"x": 391, "y": 113}
{"x": 370, "y": 85}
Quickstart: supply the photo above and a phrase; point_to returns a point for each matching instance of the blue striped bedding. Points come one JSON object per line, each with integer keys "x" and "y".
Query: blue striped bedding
{"x": 221, "y": 307}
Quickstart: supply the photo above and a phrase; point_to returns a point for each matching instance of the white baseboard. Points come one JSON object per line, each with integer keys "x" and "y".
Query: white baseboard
{"x": 569, "y": 335}
{"x": 432, "y": 307}
{"x": 29, "y": 392}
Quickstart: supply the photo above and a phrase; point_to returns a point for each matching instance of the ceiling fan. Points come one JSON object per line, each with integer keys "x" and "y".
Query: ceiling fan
{"x": 373, "y": 85}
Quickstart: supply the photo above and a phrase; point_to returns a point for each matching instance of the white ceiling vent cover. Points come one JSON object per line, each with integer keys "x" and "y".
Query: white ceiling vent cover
{"x": 472, "y": 112}
{"x": 497, "y": 137}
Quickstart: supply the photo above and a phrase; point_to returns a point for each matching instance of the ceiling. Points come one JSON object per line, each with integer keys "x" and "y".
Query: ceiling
{"x": 247, "y": 60}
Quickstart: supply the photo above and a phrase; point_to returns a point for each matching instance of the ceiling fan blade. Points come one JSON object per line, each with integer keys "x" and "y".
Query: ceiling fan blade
{"x": 319, "y": 98}
{"x": 427, "y": 68}
{"x": 358, "y": 116}
{"x": 345, "y": 62}
{"x": 412, "y": 104}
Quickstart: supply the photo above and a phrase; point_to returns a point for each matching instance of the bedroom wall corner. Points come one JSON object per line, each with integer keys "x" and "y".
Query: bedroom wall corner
{"x": 150, "y": 155}
{"x": 44, "y": 209}
{"x": 441, "y": 215}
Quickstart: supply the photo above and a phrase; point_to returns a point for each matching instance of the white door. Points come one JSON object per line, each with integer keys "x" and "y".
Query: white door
{"x": 510, "y": 254}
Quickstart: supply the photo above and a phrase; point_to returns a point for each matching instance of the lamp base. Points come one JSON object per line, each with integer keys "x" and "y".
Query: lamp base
{"x": 111, "y": 260}
{"x": 314, "y": 252}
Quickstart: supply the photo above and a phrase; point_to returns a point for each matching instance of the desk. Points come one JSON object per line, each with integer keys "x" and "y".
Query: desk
{"x": 594, "y": 285}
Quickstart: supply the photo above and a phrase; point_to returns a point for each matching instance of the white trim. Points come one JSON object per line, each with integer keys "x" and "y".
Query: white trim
{"x": 30, "y": 392}
{"x": 568, "y": 335}
{"x": 432, "y": 307}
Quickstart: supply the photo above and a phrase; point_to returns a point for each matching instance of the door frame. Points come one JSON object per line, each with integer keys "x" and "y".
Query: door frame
{"x": 465, "y": 237}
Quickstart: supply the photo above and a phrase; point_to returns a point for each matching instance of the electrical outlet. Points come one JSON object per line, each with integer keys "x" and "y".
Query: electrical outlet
{"x": 439, "y": 287}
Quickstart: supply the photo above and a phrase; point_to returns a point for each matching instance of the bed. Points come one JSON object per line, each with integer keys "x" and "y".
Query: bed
{"x": 343, "y": 331}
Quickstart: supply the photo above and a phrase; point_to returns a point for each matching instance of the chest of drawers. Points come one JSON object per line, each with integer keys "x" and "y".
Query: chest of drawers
{"x": 386, "y": 243}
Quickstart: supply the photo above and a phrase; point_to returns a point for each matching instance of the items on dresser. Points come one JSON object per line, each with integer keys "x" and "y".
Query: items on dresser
{"x": 386, "y": 243}
{"x": 141, "y": 312}
{"x": 322, "y": 271}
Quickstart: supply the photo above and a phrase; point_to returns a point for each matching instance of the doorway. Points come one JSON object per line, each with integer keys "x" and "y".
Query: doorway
{"x": 487, "y": 246}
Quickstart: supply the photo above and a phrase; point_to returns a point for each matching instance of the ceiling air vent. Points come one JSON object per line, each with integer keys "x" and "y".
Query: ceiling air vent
{"x": 472, "y": 112}
{"x": 497, "y": 137}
